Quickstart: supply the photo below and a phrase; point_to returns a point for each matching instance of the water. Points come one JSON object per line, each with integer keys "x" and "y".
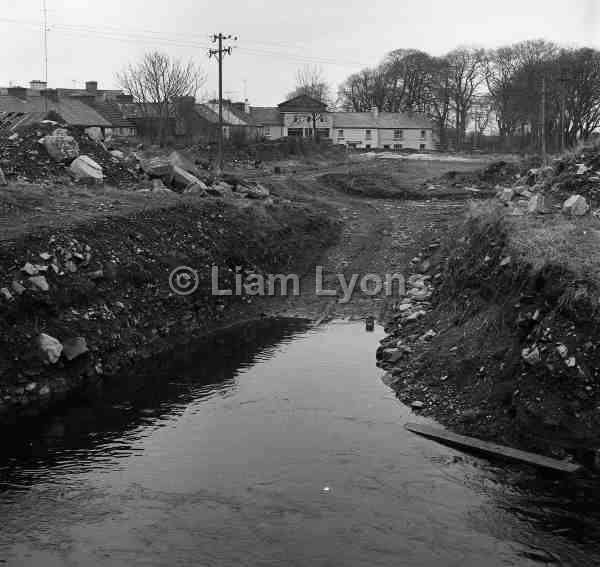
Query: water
{"x": 274, "y": 445}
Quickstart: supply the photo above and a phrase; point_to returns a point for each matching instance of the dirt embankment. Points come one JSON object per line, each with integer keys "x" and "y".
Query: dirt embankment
{"x": 506, "y": 348}
{"x": 108, "y": 299}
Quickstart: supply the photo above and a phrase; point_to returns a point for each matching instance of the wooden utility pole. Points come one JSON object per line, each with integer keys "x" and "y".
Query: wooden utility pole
{"x": 544, "y": 120}
{"x": 219, "y": 53}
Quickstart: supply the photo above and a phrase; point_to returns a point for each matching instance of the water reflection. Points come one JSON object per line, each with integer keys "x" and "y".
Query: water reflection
{"x": 156, "y": 392}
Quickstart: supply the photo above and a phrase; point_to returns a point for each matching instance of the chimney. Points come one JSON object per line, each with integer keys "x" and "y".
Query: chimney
{"x": 38, "y": 85}
{"x": 375, "y": 111}
{"x": 50, "y": 94}
{"x": 246, "y": 106}
{"x": 91, "y": 87}
{"x": 18, "y": 92}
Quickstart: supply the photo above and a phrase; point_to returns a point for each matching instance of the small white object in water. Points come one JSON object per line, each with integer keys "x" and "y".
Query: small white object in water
{"x": 326, "y": 489}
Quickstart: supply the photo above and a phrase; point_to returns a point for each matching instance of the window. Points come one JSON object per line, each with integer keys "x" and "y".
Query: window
{"x": 341, "y": 134}
{"x": 397, "y": 146}
{"x": 398, "y": 134}
{"x": 295, "y": 132}
{"x": 367, "y": 134}
{"x": 423, "y": 134}
{"x": 267, "y": 131}
{"x": 386, "y": 146}
{"x": 422, "y": 146}
{"x": 368, "y": 146}
{"x": 308, "y": 132}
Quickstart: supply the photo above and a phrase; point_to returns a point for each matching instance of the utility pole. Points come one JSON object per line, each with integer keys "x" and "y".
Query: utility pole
{"x": 45, "y": 36}
{"x": 219, "y": 53}
{"x": 544, "y": 120}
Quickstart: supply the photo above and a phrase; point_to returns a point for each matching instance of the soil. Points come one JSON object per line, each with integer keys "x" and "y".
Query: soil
{"x": 129, "y": 313}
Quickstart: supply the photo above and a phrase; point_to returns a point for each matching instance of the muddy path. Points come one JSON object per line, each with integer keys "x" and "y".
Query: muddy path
{"x": 379, "y": 236}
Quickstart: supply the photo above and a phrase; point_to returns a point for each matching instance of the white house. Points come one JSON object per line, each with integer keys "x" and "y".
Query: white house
{"x": 368, "y": 130}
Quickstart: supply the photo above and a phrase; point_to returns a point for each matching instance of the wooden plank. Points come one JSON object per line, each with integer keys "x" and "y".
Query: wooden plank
{"x": 492, "y": 449}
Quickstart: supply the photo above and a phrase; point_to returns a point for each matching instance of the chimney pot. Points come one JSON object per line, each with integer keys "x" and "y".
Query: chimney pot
{"x": 18, "y": 92}
{"x": 91, "y": 87}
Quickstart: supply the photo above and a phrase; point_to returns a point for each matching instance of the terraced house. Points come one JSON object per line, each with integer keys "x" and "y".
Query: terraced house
{"x": 366, "y": 130}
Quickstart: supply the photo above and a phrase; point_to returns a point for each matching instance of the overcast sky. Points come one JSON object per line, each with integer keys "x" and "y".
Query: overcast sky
{"x": 92, "y": 40}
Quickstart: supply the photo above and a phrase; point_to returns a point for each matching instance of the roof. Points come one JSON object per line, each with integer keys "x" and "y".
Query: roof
{"x": 207, "y": 113}
{"x": 267, "y": 116}
{"x": 230, "y": 117}
{"x": 244, "y": 116}
{"x": 383, "y": 120}
{"x": 72, "y": 111}
{"x": 302, "y": 103}
{"x": 110, "y": 112}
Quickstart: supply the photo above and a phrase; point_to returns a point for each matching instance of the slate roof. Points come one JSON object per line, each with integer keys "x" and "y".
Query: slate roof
{"x": 301, "y": 103}
{"x": 267, "y": 116}
{"x": 72, "y": 111}
{"x": 208, "y": 114}
{"x": 110, "y": 112}
{"x": 384, "y": 120}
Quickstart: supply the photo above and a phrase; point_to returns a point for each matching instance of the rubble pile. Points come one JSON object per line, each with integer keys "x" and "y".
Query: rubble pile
{"x": 570, "y": 183}
{"x": 176, "y": 172}
{"x": 45, "y": 151}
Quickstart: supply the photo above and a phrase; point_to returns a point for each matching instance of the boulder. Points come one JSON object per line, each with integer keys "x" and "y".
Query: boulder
{"x": 50, "y": 348}
{"x": 417, "y": 404}
{"x": 575, "y": 205}
{"x": 72, "y": 348}
{"x": 117, "y": 154}
{"x": 253, "y": 190}
{"x": 506, "y": 195}
{"x": 531, "y": 355}
{"x": 17, "y": 288}
{"x": 177, "y": 159}
{"x": 157, "y": 167}
{"x": 84, "y": 167}
{"x": 60, "y": 145}
{"x": 5, "y": 293}
{"x": 538, "y": 204}
{"x": 182, "y": 178}
{"x": 39, "y": 283}
{"x": 94, "y": 132}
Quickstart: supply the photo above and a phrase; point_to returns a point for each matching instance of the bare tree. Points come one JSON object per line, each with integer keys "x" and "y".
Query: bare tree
{"x": 156, "y": 82}
{"x": 310, "y": 81}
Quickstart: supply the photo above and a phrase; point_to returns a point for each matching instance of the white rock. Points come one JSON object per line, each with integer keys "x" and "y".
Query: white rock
{"x": 417, "y": 404}
{"x": 506, "y": 195}
{"x": 60, "y": 145}
{"x": 531, "y": 355}
{"x": 5, "y": 293}
{"x": 575, "y": 205}
{"x": 50, "y": 347}
{"x": 84, "y": 167}
{"x": 30, "y": 269}
{"x": 39, "y": 282}
{"x": 75, "y": 347}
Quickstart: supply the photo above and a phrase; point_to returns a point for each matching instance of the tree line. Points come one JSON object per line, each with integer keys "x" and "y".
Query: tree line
{"x": 525, "y": 92}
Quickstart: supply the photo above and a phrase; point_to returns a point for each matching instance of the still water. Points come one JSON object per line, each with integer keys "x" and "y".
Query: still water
{"x": 279, "y": 445}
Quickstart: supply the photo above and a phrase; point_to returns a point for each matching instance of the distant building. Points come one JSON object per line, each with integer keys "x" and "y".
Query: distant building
{"x": 84, "y": 108}
{"x": 368, "y": 130}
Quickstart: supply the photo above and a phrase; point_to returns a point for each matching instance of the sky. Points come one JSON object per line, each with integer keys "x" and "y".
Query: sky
{"x": 93, "y": 40}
